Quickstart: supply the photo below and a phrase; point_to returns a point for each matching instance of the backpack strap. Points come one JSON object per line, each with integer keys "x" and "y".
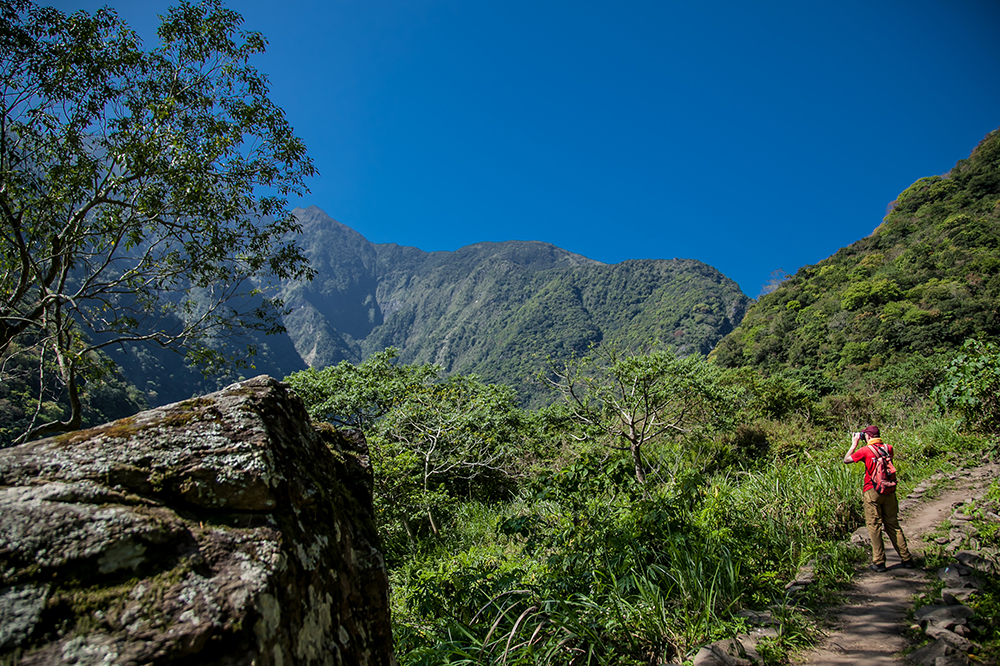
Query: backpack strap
{"x": 879, "y": 450}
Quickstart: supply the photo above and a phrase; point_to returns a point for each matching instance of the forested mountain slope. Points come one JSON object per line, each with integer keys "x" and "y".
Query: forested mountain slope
{"x": 494, "y": 309}
{"x": 925, "y": 280}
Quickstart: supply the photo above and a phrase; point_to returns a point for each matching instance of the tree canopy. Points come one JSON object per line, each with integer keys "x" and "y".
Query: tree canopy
{"x": 142, "y": 192}
{"x": 631, "y": 398}
{"x": 971, "y": 385}
{"x": 431, "y": 439}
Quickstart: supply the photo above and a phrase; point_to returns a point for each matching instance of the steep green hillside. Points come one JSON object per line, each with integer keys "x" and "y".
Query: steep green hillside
{"x": 501, "y": 322}
{"x": 925, "y": 280}
{"x": 495, "y": 309}
{"x": 492, "y": 309}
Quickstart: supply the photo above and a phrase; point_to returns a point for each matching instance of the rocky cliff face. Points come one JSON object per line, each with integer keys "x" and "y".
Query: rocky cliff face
{"x": 219, "y": 530}
{"x": 496, "y": 310}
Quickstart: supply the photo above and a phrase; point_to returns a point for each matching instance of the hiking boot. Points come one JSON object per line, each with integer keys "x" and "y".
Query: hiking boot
{"x": 877, "y": 567}
{"x": 908, "y": 564}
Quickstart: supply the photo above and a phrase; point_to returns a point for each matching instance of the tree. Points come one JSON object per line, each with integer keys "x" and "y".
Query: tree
{"x": 356, "y": 396}
{"x": 142, "y": 193}
{"x": 430, "y": 438}
{"x": 457, "y": 432}
{"x": 633, "y": 398}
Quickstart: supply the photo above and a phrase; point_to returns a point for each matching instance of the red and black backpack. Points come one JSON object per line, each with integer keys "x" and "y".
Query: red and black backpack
{"x": 884, "y": 472}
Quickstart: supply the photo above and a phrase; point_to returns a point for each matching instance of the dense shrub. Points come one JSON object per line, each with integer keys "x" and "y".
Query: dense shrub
{"x": 971, "y": 385}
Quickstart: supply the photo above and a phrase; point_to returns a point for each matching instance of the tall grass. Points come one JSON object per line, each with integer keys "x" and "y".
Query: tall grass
{"x": 641, "y": 621}
{"x": 602, "y": 573}
{"x": 623, "y": 580}
{"x": 776, "y": 516}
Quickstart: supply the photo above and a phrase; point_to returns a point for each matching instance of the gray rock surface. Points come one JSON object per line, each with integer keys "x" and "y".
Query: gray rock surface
{"x": 936, "y": 613}
{"x": 960, "y": 643}
{"x": 958, "y": 576}
{"x": 722, "y": 653}
{"x": 929, "y": 654}
{"x": 957, "y": 595}
{"x": 220, "y": 530}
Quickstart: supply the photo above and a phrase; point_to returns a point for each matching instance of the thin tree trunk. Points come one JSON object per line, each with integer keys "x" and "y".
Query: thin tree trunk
{"x": 640, "y": 471}
{"x": 634, "y": 446}
{"x": 427, "y": 478}
{"x": 430, "y": 519}
{"x": 409, "y": 533}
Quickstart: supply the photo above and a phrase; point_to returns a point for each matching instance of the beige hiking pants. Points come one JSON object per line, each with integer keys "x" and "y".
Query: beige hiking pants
{"x": 881, "y": 510}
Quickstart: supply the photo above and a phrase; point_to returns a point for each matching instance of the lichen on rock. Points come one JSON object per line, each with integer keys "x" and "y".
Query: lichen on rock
{"x": 226, "y": 527}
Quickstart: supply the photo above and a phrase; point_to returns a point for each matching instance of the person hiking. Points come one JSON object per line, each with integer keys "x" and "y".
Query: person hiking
{"x": 881, "y": 508}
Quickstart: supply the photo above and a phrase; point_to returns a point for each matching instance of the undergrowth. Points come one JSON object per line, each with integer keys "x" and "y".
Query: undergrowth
{"x": 586, "y": 566}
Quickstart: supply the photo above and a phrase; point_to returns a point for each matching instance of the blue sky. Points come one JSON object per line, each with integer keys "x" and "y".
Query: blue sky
{"x": 753, "y": 136}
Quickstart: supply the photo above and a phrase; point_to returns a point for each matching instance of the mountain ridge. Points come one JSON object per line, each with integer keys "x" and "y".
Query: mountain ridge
{"x": 905, "y": 297}
{"x": 495, "y": 309}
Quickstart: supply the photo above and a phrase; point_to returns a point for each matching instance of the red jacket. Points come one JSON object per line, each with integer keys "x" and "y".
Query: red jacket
{"x": 865, "y": 453}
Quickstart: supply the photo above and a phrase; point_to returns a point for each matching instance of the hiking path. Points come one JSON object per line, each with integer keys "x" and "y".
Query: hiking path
{"x": 869, "y": 627}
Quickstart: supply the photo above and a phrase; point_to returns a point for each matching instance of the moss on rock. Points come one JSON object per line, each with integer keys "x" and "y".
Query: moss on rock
{"x": 226, "y": 527}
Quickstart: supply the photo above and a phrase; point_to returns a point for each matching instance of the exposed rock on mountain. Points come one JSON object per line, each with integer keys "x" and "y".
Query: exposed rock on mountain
{"x": 337, "y": 310}
{"x": 224, "y": 529}
{"x": 494, "y": 309}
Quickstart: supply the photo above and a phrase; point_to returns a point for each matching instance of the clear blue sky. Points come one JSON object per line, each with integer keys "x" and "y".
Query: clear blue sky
{"x": 752, "y": 136}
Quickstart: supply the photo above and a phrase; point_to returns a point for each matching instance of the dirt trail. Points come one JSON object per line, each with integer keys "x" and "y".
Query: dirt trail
{"x": 869, "y": 627}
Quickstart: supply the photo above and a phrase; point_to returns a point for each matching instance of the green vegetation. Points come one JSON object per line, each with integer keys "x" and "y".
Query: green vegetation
{"x": 517, "y": 537}
{"x": 496, "y": 310}
{"x": 971, "y": 385}
{"x": 29, "y": 397}
{"x": 659, "y": 496}
{"x": 924, "y": 281}
{"x": 141, "y": 192}
{"x": 632, "y": 399}
{"x": 646, "y": 498}
{"x": 506, "y": 316}
{"x": 433, "y": 440}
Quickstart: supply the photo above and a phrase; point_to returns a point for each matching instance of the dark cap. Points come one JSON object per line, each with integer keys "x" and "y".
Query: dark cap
{"x": 871, "y": 431}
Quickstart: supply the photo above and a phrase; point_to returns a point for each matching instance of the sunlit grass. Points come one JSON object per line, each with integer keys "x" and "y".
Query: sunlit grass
{"x": 642, "y": 575}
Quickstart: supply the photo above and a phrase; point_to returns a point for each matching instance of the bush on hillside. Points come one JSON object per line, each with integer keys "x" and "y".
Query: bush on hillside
{"x": 971, "y": 385}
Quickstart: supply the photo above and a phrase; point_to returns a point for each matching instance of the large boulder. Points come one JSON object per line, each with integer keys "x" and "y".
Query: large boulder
{"x": 220, "y": 530}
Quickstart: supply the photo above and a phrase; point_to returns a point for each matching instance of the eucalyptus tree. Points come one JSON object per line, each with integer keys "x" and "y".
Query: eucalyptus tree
{"x": 142, "y": 192}
{"x": 632, "y": 398}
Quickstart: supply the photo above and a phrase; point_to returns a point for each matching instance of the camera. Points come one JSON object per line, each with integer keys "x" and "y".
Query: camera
{"x": 862, "y": 435}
